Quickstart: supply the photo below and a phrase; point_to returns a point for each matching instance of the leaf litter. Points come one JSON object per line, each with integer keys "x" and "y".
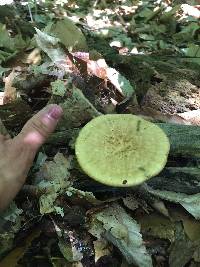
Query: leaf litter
{"x": 94, "y": 58}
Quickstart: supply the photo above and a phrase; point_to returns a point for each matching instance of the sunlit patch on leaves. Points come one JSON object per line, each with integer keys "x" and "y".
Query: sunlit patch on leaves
{"x": 50, "y": 46}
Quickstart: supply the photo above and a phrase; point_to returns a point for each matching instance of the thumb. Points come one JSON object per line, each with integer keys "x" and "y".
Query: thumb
{"x": 38, "y": 128}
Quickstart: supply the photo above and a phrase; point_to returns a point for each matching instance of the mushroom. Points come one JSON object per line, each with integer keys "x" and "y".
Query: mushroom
{"x": 121, "y": 149}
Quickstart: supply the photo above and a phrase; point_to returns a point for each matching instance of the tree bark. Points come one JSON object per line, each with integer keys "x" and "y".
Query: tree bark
{"x": 177, "y": 179}
{"x": 184, "y": 139}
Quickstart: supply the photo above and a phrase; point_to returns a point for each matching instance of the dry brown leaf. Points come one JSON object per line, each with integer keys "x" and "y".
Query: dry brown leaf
{"x": 190, "y": 10}
{"x": 100, "y": 69}
{"x": 34, "y": 57}
{"x": 1, "y": 98}
{"x": 97, "y": 68}
{"x": 10, "y": 93}
{"x": 164, "y": 117}
{"x": 102, "y": 248}
{"x": 191, "y": 116}
{"x": 187, "y": 118}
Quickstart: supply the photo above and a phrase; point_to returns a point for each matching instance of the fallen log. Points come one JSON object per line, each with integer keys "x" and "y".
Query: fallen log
{"x": 184, "y": 139}
{"x": 177, "y": 179}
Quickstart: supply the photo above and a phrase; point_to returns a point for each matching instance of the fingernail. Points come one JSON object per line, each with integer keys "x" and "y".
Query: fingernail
{"x": 55, "y": 112}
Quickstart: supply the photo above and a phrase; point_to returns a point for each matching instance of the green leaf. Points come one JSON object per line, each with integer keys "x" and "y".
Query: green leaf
{"x": 5, "y": 39}
{"x": 193, "y": 51}
{"x": 187, "y": 33}
{"x": 145, "y": 13}
{"x": 40, "y": 160}
{"x": 120, "y": 82}
{"x": 146, "y": 37}
{"x": 69, "y": 35}
{"x": 6, "y": 55}
{"x": 10, "y": 45}
{"x": 2, "y": 70}
{"x": 168, "y": 16}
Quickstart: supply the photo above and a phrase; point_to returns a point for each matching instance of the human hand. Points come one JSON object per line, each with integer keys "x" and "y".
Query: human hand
{"x": 17, "y": 154}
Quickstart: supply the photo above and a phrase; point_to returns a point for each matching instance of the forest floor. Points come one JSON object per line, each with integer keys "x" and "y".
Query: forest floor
{"x": 93, "y": 58}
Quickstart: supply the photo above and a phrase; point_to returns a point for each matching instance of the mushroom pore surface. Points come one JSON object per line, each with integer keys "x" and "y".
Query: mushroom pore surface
{"x": 121, "y": 149}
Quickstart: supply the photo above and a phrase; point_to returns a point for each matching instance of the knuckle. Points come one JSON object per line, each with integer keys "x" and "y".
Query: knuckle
{"x": 40, "y": 128}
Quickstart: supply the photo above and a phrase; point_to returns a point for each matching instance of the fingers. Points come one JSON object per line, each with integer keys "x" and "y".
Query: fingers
{"x": 18, "y": 153}
{"x": 39, "y": 127}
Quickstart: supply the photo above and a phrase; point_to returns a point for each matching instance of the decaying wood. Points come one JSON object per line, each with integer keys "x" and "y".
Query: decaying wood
{"x": 184, "y": 142}
{"x": 178, "y": 179}
{"x": 63, "y": 137}
{"x": 184, "y": 139}
{"x": 15, "y": 114}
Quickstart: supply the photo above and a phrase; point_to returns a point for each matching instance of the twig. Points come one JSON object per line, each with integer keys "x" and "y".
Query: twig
{"x": 30, "y": 13}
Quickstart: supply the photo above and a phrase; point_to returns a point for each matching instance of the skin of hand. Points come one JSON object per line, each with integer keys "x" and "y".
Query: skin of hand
{"x": 17, "y": 154}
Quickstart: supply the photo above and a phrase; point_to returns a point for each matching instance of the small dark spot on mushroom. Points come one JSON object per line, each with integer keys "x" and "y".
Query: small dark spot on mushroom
{"x": 124, "y": 182}
{"x": 138, "y": 126}
{"x": 141, "y": 169}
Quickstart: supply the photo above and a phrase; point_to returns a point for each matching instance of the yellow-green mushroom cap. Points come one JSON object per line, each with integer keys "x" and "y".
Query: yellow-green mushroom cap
{"x": 121, "y": 149}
